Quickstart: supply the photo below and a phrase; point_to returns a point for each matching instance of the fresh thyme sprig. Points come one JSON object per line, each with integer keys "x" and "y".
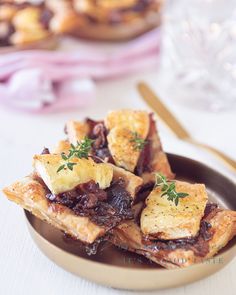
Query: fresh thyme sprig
{"x": 138, "y": 142}
{"x": 168, "y": 189}
{"x": 80, "y": 150}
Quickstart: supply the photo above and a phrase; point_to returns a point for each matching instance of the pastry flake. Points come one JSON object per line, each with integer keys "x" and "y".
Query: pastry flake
{"x": 162, "y": 219}
{"x": 63, "y": 146}
{"x": 76, "y": 131}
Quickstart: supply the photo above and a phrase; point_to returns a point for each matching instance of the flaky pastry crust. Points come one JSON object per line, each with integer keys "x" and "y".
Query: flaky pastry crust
{"x": 223, "y": 226}
{"x": 30, "y": 194}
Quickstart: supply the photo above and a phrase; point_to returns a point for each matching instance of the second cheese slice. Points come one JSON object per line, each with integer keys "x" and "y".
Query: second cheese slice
{"x": 85, "y": 170}
{"x": 161, "y": 219}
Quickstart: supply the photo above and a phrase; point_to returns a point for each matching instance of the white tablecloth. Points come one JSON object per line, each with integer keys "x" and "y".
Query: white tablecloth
{"x": 23, "y": 268}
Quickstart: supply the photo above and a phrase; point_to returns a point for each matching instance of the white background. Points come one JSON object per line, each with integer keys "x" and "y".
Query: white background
{"x": 23, "y": 268}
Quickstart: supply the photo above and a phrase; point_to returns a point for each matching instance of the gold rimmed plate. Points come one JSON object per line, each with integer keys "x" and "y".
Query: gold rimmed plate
{"x": 121, "y": 269}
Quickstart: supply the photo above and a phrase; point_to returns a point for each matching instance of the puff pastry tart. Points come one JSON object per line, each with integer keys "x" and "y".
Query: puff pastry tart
{"x": 105, "y": 19}
{"x": 216, "y": 229}
{"x": 84, "y": 202}
{"x": 23, "y": 22}
{"x": 126, "y": 138}
{"x": 177, "y": 235}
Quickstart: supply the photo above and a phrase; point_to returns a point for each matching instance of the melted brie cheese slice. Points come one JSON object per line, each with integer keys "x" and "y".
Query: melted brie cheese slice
{"x": 122, "y": 149}
{"x": 122, "y": 125}
{"x": 85, "y": 170}
{"x": 135, "y": 121}
{"x": 163, "y": 220}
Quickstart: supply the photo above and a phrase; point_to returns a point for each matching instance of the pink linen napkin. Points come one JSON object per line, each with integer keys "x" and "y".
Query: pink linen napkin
{"x": 44, "y": 81}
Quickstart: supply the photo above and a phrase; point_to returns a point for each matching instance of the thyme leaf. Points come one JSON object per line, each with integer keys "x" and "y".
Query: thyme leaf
{"x": 137, "y": 141}
{"x": 80, "y": 150}
{"x": 168, "y": 189}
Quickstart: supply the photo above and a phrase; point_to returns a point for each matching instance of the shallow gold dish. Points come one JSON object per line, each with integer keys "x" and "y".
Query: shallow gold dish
{"x": 117, "y": 268}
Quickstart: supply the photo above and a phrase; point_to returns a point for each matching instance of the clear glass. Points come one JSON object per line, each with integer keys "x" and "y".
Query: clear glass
{"x": 199, "y": 52}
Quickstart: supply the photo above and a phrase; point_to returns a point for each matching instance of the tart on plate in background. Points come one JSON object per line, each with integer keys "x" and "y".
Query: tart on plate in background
{"x": 25, "y": 25}
{"x": 36, "y": 24}
{"x": 107, "y": 20}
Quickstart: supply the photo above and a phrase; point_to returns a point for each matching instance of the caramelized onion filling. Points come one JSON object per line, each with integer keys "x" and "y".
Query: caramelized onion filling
{"x": 98, "y": 133}
{"x": 104, "y": 207}
{"x": 199, "y": 244}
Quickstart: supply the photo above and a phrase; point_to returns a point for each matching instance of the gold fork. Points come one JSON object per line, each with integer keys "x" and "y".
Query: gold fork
{"x": 162, "y": 111}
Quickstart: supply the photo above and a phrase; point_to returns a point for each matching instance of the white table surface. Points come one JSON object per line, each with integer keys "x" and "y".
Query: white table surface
{"x": 23, "y": 268}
